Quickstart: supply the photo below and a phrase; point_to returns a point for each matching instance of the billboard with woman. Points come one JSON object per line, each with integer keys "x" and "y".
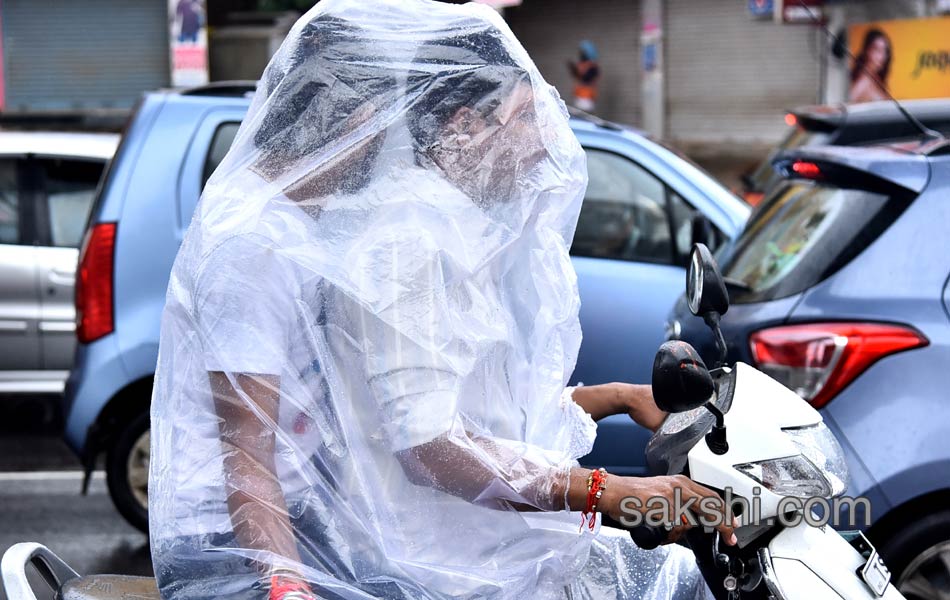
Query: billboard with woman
{"x": 909, "y": 58}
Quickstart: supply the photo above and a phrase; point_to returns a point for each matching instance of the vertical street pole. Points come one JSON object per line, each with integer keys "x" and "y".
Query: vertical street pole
{"x": 651, "y": 67}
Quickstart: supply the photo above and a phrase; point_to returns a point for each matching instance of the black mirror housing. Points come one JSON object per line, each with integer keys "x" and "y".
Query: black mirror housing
{"x": 681, "y": 381}
{"x": 705, "y": 287}
{"x": 701, "y": 230}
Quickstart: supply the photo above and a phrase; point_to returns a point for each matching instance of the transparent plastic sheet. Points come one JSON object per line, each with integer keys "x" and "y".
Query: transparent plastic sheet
{"x": 371, "y": 321}
{"x": 619, "y": 569}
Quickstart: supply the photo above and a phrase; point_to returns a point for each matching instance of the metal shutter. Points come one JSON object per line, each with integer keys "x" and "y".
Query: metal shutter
{"x": 68, "y": 55}
{"x": 729, "y": 77}
{"x": 550, "y": 31}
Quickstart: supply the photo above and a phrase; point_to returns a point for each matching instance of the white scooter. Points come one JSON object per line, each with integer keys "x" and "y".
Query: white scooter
{"x": 730, "y": 429}
{"x": 739, "y": 430}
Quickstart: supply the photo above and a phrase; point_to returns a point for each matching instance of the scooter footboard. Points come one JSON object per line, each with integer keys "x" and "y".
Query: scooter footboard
{"x": 814, "y": 563}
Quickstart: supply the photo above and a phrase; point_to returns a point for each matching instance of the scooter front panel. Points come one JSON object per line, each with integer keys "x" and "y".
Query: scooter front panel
{"x": 832, "y": 562}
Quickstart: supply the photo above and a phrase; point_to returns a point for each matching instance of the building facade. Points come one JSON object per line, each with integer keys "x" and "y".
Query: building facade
{"x": 700, "y": 73}
{"x": 718, "y": 80}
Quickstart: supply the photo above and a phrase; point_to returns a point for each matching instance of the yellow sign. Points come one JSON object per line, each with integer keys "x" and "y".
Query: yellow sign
{"x": 908, "y": 57}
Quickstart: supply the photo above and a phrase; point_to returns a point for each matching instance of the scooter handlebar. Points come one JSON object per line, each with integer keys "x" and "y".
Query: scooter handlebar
{"x": 649, "y": 537}
{"x": 645, "y": 536}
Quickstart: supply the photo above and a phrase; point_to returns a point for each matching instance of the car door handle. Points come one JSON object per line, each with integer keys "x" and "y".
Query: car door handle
{"x": 62, "y": 277}
{"x": 57, "y": 326}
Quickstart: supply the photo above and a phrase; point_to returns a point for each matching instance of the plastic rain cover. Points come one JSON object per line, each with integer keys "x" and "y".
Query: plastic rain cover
{"x": 370, "y": 324}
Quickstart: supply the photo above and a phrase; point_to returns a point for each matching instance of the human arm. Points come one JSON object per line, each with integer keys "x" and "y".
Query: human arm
{"x": 526, "y": 486}
{"x": 601, "y": 401}
{"x": 243, "y": 303}
{"x": 247, "y": 418}
{"x": 572, "y": 67}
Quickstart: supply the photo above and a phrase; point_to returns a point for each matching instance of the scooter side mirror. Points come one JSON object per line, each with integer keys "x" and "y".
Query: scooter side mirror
{"x": 705, "y": 288}
{"x": 681, "y": 381}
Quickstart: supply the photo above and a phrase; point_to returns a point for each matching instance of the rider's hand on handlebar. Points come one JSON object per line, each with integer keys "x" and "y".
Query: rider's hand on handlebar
{"x": 641, "y": 407}
{"x": 655, "y": 496}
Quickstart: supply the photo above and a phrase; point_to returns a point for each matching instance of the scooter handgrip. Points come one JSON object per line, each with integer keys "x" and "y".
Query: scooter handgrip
{"x": 649, "y": 537}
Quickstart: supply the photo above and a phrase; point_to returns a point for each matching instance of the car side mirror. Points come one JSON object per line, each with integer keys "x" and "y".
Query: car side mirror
{"x": 705, "y": 288}
{"x": 681, "y": 381}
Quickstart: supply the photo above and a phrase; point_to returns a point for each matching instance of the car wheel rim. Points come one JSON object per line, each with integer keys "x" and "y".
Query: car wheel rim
{"x": 138, "y": 469}
{"x": 928, "y": 575}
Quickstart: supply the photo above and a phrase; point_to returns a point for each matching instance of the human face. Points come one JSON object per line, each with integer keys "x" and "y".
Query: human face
{"x": 484, "y": 148}
{"x": 877, "y": 54}
{"x": 339, "y": 171}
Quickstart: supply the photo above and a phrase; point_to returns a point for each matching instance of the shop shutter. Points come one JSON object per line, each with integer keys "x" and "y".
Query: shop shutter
{"x": 729, "y": 77}
{"x": 65, "y": 55}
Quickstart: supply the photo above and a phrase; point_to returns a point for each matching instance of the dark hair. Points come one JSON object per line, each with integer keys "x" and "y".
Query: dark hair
{"x": 325, "y": 80}
{"x": 859, "y": 64}
{"x": 437, "y": 92}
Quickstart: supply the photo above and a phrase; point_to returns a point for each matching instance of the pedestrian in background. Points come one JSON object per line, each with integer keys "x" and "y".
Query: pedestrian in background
{"x": 586, "y": 73}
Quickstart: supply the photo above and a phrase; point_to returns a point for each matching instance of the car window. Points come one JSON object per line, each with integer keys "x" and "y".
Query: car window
{"x": 9, "y": 202}
{"x": 803, "y": 234}
{"x": 624, "y": 213}
{"x": 220, "y": 143}
{"x": 70, "y": 189}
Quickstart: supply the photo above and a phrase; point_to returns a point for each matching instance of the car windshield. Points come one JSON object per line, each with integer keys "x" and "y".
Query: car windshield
{"x": 802, "y": 234}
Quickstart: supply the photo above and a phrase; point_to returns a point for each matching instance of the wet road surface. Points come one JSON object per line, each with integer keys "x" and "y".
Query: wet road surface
{"x": 40, "y": 481}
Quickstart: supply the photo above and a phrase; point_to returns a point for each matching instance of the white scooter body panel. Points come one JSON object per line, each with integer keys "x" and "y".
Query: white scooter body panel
{"x": 761, "y": 408}
{"x": 815, "y": 562}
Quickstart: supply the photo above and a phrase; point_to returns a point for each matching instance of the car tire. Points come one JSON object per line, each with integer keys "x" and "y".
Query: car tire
{"x": 127, "y": 472}
{"x": 918, "y": 556}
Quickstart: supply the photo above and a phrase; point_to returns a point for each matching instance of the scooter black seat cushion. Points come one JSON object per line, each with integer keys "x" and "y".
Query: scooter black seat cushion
{"x": 110, "y": 587}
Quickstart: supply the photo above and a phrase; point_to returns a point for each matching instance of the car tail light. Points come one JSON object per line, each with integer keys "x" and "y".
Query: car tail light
{"x": 818, "y": 360}
{"x": 94, "y": 318}
{"x": 790, "y": 119}
{"x": 808, "y": 170}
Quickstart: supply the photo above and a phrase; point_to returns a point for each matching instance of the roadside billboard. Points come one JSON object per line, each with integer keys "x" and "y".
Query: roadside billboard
{"x": 910, "y": 58}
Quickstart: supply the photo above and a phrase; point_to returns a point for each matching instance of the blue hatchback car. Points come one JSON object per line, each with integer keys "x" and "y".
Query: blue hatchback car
{"x": 839, "y": 289}
{"x": 633, "y": 237}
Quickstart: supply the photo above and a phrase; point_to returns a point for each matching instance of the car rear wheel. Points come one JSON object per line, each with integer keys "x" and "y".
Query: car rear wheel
{"x": 919, "y": 557}
{"x": 127, "y": 472}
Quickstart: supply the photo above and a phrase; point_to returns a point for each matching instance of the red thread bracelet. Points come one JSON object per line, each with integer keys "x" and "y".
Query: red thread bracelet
{"x": 596, "y": 484}
{"x": 282, "y": 586}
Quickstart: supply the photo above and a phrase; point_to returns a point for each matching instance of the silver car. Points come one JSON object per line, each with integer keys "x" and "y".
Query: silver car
{"x": 48, "y": 182}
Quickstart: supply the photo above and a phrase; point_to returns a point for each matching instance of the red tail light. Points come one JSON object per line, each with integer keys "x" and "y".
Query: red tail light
{"x": 790, "y": 119}
{"x": 808, "y": 170}
{"x": 94, "y": 284}
{"x": 819, "y": 360}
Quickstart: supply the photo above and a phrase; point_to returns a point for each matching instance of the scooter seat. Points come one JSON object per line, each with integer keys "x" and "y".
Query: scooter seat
{"x": 109, "y": 587}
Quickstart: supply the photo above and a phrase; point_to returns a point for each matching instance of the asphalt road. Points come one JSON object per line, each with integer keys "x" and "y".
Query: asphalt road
{"x": 40, "y": 501}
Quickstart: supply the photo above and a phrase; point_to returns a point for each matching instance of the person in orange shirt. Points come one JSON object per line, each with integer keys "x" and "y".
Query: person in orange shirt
{"x": 586, "y": 73}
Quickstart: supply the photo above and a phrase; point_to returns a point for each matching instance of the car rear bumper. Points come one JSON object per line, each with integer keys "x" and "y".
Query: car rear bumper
{"x": 97, "y": 376}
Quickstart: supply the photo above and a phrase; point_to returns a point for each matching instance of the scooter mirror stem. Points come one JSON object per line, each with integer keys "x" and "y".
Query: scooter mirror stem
{"x": 716, "y": 438}
{"x": 712, "y": 320}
